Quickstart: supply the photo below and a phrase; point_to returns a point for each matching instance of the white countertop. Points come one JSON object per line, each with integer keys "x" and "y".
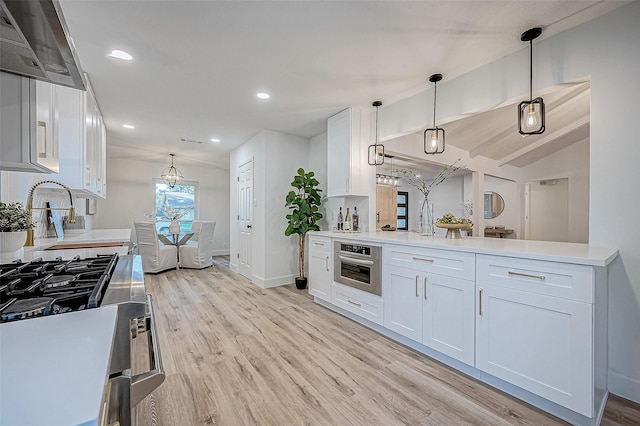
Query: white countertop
{"x": 583, "y": 254}
{"x": 92, "y": 236}
{"x": 53, "y": 369}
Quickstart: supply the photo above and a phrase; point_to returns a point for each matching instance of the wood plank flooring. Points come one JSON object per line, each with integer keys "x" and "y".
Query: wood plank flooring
{"x": 236, "y": 354}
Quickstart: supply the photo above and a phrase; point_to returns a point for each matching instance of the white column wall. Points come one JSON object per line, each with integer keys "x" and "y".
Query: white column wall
{"x": 606, "y": 50}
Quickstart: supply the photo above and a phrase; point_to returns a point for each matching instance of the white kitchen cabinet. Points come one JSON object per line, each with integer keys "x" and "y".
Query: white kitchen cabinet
{"x": 348, "y": 172}
{"x": 365, "y": 305}
{"x": 535, "y": 328}
{"x": 435, "y": 310}
{"x": 28, "y": 130}
{"x": 320, "y": 267}
{"x": 83, "y": 142}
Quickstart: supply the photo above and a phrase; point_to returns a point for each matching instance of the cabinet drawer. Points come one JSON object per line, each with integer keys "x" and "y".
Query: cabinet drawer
{"x": 444, "y": 262}
{"x": 363, "y": 304}
{"x": 569, "y": 281}
{"x": 319, "y": 243}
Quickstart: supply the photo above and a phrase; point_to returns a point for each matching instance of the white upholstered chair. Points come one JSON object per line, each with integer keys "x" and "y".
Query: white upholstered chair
{"x": 200, "y": 254}
{"x": 156, "y": 257}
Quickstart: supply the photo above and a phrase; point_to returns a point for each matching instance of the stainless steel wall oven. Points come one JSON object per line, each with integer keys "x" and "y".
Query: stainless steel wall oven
{"x": 358, "y": 265}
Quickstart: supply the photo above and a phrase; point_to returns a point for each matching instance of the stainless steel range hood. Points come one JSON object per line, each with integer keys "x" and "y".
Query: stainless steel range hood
{"x": 35, "y": 42}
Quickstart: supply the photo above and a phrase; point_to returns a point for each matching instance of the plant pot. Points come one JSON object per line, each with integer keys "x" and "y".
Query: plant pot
{"x": 301, "y": 283}
{"x": 11, "y": 242}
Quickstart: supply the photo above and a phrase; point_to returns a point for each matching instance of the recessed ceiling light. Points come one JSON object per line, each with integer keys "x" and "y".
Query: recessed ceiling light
{"x": 263, "y": 95}
{"x": 121, "y": 54}
{"x": 128, "y": 126}
{"x": 215, "y": 140}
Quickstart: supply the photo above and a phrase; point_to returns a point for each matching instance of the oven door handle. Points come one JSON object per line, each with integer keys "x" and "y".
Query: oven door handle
{"x": 143, "y": 384}
{"x": 355, "y": 261}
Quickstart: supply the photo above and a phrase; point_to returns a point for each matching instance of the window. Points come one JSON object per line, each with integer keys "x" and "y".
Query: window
{"x": 403, "y": 210}
{"x": 179, "y": 198}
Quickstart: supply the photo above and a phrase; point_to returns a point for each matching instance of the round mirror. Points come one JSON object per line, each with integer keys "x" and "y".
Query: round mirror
{"x": 493, "y": 204}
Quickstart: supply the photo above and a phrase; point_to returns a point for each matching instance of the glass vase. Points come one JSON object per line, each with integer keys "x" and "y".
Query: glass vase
{"x": 427, "y": 226}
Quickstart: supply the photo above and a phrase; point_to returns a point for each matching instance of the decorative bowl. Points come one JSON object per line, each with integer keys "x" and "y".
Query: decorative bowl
{"x": 453, "y": 229}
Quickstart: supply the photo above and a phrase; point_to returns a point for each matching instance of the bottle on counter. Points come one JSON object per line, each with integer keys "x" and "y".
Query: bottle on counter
{"x": 347, "y": 221}
{"x": 355, "y": 219}
{"x": 340, "y": 220}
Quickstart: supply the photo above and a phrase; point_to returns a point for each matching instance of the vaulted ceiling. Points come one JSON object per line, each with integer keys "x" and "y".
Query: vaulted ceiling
{"x": 199, "y": 64}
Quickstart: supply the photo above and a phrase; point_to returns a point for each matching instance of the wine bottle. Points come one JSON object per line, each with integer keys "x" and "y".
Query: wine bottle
{"x": 355, "y": 219}
{"x": 340, "y": 220}
{"x": 347, "y": 221}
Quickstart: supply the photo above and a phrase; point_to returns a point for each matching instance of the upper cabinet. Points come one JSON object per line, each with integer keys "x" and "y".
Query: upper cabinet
{"x": 82, "y": 136}
{"x": 29, "y": 125}
{"x": 347, "y": 172}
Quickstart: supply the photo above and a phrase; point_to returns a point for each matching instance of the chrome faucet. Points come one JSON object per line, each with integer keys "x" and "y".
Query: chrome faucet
{"x": 30, "y": 208}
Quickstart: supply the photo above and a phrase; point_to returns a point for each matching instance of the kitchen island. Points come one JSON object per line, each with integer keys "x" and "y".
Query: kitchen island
{"x": 54, "y": 370}
{"x": 527, "y": 317}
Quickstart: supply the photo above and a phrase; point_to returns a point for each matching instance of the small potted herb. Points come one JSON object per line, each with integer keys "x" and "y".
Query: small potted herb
{"x": 14, "y": 222}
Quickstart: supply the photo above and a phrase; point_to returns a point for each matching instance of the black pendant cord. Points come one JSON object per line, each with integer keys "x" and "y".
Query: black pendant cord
{"x": 530, "y": 70}
{"x": 376, "y": 142}
{"x": 435, "y": 94}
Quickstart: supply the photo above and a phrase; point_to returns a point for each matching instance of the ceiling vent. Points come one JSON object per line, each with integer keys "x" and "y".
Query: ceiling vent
{"x": 190, "y": 141}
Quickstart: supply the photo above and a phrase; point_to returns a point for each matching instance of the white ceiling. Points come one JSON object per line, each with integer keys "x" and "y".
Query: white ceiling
{"x": 198, "y": 64}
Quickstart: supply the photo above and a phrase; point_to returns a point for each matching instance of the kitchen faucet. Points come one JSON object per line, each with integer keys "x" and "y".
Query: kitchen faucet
{"x": 30, "y": 208}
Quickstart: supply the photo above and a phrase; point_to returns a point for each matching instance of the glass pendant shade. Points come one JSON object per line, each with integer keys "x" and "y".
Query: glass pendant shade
{"x": 531, "y": 119}
{"x": 434, "y": 136}
{"x": 171, "y": 176}
{"x": 376, "y": 151}
{"x": 531, "y": 112}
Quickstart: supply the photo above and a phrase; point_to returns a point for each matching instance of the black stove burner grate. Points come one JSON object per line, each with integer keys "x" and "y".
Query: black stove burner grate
{"x": 40, "y": 287}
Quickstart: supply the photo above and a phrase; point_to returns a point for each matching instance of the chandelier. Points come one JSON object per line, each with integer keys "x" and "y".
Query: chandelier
{"x": 171, "y": 176}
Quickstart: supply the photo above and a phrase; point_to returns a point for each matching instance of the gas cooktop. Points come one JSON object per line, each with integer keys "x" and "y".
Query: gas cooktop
{"x": 39, "y": 288}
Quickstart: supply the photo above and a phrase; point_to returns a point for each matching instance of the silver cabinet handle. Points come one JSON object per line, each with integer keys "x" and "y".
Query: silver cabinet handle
{"x": 417, "y": 276}
{"x": 422, "y": 259}
{"x": 326, "y": 263}
{"x": 538, "y": 277}
{"x": 354, "y": 303}
{"x": 347, "y": 185}
{"x": 42, "y": 153}
{"x": 355, "y": 261}
{"x": 480, "y": 303}
{"x": 425, "y": 288}
{"x": 143, "y": 384}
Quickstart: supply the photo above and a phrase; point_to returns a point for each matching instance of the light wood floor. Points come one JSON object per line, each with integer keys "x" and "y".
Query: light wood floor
{"x": 236, "y": 354}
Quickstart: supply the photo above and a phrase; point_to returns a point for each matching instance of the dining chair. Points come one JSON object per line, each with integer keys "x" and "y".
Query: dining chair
{"x": 199, "y": 255}
{"x": 156, "y": 257}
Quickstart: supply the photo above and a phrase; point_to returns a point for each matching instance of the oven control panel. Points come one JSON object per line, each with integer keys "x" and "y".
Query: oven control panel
{"x": 354, "y": 248}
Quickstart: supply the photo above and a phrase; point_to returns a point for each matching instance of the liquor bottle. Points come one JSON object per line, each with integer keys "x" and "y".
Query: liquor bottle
{"x": 347, "y": 221}
{"x": 340, "y": 220}
{"x": 355, "y": 224}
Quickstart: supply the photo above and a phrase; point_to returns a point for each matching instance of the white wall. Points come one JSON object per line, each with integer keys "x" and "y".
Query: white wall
{"x": 277, "y": 157}
{"x": 606, "y": 50}
{"x": 131, "y": 195}
{"x": 572, "y": 163}
{"x": 318, "y": 164}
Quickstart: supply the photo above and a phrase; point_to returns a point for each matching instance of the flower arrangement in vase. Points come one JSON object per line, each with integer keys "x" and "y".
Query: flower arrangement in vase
{"x": 425, "y": 186}
{"x": 174, "y": 214}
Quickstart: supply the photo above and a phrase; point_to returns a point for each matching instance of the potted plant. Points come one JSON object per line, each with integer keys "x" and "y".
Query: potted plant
{"x": 304, "y": 203}
{"x": 14, "y": 222}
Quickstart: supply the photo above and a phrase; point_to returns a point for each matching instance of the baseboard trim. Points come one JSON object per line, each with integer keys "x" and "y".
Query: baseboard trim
{"x": 624, "y": 386}
{"x": 233, "y": 267}
{"x": 221, "y": 252}
{"x": 272, "y": 282}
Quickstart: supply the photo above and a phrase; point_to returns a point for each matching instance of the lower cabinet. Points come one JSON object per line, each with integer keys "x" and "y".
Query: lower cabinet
{"x": 435, "y": 310}
{"x": 320, "y": 268}
{"x": 530, "y": 337}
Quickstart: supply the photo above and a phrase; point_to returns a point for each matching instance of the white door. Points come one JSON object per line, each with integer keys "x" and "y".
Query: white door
{"x": 245, "y": 217}
{"x": 547, "y": 210}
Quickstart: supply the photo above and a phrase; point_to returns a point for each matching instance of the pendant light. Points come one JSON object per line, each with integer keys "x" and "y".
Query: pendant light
{"x": 531, "y": 113}
{"x": 434, "y": 136}
{"x": 376, "y": 151}
{"x": 171, "y": 176}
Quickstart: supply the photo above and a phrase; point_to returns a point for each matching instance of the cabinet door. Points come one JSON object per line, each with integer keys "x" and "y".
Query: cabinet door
{"x": 47, "y": 126}
{"x": 339, "y": 154}
{"x": 448, "y": 316}
{"x": 402, "y": 293}
{"x": 320, "y": 268}
{"x": 538, "y": 342}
